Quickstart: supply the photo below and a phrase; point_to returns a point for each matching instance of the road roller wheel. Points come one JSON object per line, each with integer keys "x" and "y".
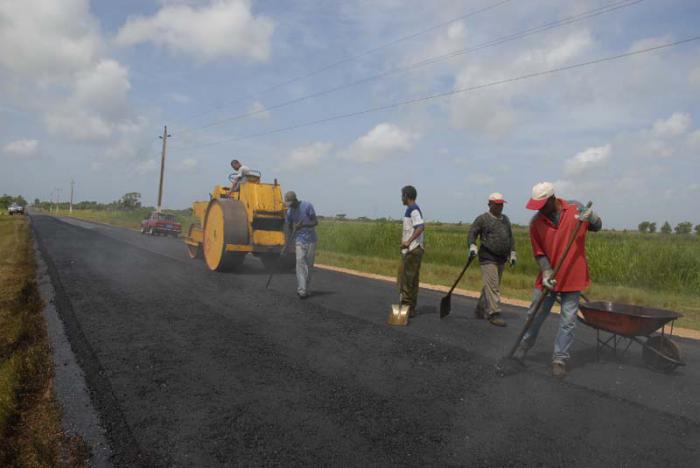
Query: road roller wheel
{"x": 225, "y": 223}
{"x": 664, "y": 346}
{"x": 194, "y": 251}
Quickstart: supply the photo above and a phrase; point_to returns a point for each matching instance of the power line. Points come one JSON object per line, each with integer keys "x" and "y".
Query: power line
{"x": 452, "y": 93}
{"x": 351, "y": 58}
{"x": 432, "y": 60}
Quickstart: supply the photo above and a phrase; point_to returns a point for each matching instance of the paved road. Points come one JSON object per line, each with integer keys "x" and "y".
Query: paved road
{"x": 193, "y": 368}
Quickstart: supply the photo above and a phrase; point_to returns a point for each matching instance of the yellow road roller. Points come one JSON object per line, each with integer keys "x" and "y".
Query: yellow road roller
{"x": 235, "y": 222}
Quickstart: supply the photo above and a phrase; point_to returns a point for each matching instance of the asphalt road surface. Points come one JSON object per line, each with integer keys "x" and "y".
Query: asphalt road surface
{"x": 193, "y": 368}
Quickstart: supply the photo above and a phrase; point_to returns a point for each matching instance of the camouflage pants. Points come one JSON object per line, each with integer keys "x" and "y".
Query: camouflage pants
{"x": 409, "y": 276}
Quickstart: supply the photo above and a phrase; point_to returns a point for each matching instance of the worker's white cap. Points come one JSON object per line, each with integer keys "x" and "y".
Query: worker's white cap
{"x": 540, "y": 194}
{"x": 497, "y": 197}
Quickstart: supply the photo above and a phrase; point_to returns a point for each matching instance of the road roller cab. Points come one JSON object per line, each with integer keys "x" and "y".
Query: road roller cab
{"x": 234, "y": 223}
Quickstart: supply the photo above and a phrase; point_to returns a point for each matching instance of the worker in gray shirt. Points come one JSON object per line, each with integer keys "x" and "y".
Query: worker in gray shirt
{"x": 497, "y": 249}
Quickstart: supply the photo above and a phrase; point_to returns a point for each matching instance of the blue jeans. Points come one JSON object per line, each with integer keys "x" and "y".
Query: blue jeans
{"x": 567, "y": 322}
{"x": 305, "y": 253}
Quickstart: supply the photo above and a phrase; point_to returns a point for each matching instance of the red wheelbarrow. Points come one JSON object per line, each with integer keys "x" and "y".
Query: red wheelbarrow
{"x": 626, "y": 323}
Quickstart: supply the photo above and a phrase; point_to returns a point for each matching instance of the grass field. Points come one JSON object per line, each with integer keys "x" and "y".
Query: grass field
{"x": 30, "y": 430}
{"x": 648, "y": 269}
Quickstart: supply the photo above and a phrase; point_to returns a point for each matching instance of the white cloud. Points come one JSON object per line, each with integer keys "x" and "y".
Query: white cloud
{"x": 179, "y": 98}
{"x": 47, "y": 39}
{"x": 308, "y": 155}
{"x": 225, "y": 28}
{"x": 694, "y": 77}
{"x": 382, "y": 141}
{"x": 588, "y": 159}
{"x": 481, "y": 179}
{"x": 259, "y": 111}
{"x": 147, "y": 167}
{"x": 694, "y": 140}
{"x": 25, "y": 149}
{"x": 187, "y": 165}
{"x": 677, "y": 124}
{"x": 496, "y": 112}
{"x": 97, "y": 107}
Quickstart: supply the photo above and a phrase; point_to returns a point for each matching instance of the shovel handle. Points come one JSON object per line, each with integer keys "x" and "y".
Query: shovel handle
{"x": 545, "y": 290}
{"x": 469, "y": 262}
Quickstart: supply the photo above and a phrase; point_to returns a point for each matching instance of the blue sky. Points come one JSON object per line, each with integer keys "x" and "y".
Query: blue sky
{"x": 85, "y": 88}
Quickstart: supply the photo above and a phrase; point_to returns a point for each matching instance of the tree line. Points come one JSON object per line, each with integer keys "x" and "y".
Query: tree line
{"x": 686, "y": 227}
{"x": 7, "y": 200}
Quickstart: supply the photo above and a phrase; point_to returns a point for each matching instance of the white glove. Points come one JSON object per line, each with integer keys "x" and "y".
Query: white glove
{"x": 473, "y": 250}
{"x": 585, "y": 216}
{"x": 547, "y": 280}
{"x": 513, "y": 258}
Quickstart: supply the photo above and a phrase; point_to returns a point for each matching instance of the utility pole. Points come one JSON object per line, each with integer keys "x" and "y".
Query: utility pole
{"x": 70, "y": 209}
{"x": 162, "y": 166}
{"x": 58, "y": 199}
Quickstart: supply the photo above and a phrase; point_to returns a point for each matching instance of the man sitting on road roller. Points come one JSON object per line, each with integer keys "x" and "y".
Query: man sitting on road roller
{"x": 550, "y": 230}
{"x": 302, "y": 222}
{"x": 240, "y": 176}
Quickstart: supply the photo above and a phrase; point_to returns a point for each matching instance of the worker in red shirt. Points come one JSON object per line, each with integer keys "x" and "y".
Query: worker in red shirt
{"x": 550, "y": 230}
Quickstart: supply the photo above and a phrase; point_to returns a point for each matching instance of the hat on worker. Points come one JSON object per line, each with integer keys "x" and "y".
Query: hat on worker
{"x": 497, "y": 198}
{"x": 540, "y": 194}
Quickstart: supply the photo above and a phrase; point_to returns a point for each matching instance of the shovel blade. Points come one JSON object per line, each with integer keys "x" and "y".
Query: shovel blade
{"x": 445, "y": 306}
{"x": 398, "y": 315}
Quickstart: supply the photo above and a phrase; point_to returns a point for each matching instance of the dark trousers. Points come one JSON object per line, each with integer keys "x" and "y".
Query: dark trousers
{"x": 409, "y": 276}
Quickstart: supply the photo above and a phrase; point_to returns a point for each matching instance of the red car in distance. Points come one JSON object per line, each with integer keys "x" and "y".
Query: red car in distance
{"x": 160, "y": 224}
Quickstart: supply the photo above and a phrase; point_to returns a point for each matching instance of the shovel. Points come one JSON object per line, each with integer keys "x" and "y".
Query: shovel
{"x": 509, "y": 365}
{"x": 446, "y": 302}
{"x": 399, "y": 312}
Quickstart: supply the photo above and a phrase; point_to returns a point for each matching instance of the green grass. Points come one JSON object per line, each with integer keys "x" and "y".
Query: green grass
{"x": 654, "y": 270}
{"x": 651, "y": 270}
{"x": 30, "y": 421}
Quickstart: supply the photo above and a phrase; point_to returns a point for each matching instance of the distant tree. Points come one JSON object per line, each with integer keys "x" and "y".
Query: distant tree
{"x": 652, "y": 228}
{"x": 697, "y": 229}
{"x": 684, "y": 228}
{"x": 666, "y": 228}
{"x": 5, "y": 201}
{"x": 341, "y": 216}
{"x": 643, "y": 226}
{"x": 19, "y": 199}
{"x": 37, "y": 202}
{"x": 130, "y": 201}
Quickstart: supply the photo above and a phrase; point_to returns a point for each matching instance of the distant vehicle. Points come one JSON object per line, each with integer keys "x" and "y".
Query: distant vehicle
{"x": 160, "y": 224}
{"x": 14, "y": 209}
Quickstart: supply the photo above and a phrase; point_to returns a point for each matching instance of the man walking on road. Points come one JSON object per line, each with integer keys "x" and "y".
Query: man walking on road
{"x": 302, "y": 222}
{"x": 497, "y": 248}
{"x": 411, "y": 249}
{"x": 550, "y": 230}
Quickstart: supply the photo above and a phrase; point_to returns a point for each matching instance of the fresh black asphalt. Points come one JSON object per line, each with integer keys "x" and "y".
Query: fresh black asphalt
{"x": 193, "y": 368}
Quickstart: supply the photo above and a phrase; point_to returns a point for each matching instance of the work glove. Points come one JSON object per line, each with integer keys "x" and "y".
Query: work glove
{"x": 473, "y": 251}
{"x": 513, "y": 259}
{"x": 547, "y": 279}
{"x": 586, "y": 215}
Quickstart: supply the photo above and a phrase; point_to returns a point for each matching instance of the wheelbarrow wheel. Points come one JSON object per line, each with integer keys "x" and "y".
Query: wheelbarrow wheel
{"x": 660, "y": 353}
